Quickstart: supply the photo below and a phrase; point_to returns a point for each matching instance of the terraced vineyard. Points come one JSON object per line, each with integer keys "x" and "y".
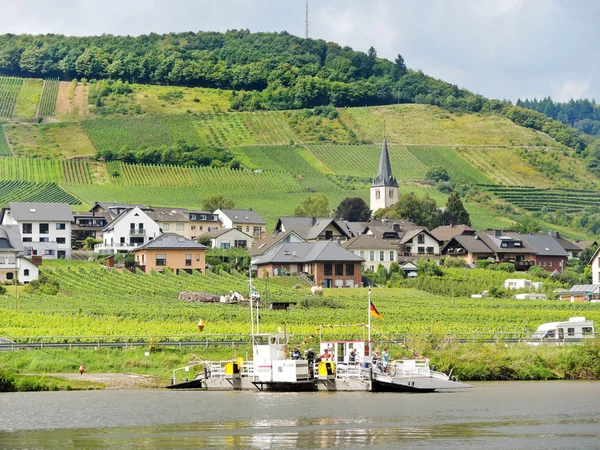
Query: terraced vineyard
{"x": 9, "y": 91}
{"x": 553, "y": 199}
{"x": 458, "y": 168}
{"x": 26, "y": 191}
{"x": 4, "y": 148}
{"x": 31, "y": 169}
{"x": 29, "y": 98}
{"x": 224, "y": 130}
{"x": 47, "y": 106}
{"x": 363, "y": 160}
{"x": 76, "y": 171}
{"x": 141, "y": 132}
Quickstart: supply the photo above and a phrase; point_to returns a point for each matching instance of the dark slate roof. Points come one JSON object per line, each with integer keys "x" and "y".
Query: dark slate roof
{"x": 384, "y": 174}
{"x": 447, "y": 232}
{"x": 222, "y": 231}
{"x": 35, "y": 212}
{"x": 310, "y": 227}
{"x": 242, "y": 215}
{"x": 355, "y": 228}
{"x": 171, "y": 241}
{"x": 494, "y": 242}
{"x": 11, "y": 238}
{"x": 269, "y": 241}
{"x": 305, "y": 252}
{"x": 470, "y": 243}
{"x": 585, "y": 244}
{"x": 168, "y": 215}
{"x": 368, "y": 241}
{"x": 545, "y": 245}
{"x": 585, "y": 288}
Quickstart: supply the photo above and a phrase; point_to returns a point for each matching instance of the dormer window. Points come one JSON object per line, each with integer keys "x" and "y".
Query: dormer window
{"x": 32, "y": 210}
{"x": 518, "y": 244}
{"x": 504, "y": 244}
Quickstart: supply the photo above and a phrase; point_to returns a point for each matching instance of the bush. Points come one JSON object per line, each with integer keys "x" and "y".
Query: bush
{"x": 437, "y": 174}
{"x": 506, "y": 267}
{"x": 483, "y": 264}
{"x": 536, "y": 271}
{"x": 455, "y": 262}
{"x": 90, "y": 242}
{"x": 2, "y": 290}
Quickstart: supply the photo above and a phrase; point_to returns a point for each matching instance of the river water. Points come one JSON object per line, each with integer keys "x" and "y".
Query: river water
{"x": 561, "y": 415}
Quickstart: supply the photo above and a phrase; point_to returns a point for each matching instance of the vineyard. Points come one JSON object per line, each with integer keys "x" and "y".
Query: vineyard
{"x": 552, "y": 199}
{"x": 31, "y": 169}
{"x": 29, "y": 98}
{"x": 458, "y": 169}
{"x": 9, "y": 91}
{"x": 97, "y": 302}
{"x": 76, "y": 171}
{"x": 4, "y": 148}
{"x": 26, "y": 191}
{"x": 141, "y": 132}
{"x": 47, "y": 105}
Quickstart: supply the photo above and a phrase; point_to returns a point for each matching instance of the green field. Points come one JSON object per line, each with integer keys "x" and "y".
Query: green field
{"x": 4, "y": 148}
{"x": 26, "y": 191}
{"x": 458, "y": 169}
{"x": 28, "y": 99}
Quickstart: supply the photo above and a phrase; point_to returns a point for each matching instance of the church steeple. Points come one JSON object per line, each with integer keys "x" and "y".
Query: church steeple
{"x": 384, "y": 175}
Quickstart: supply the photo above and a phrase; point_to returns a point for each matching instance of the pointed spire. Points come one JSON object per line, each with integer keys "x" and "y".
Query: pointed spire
{"x": 384, "y": 175}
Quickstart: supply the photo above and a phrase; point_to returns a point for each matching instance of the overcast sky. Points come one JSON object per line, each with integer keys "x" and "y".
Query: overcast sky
{"x": 498, "y": 48}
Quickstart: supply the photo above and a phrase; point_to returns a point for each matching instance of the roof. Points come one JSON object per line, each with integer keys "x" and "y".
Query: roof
{"x": 545, "y": 245}
{"x": 368, "y": 241}
{"x": 36, "y": 211}
{"x": 168, "y": 215}
{"x": 10, "y": 236}
{"x": 471, "y": 244}
{"x": 585, "y": 244}
{"x": 242, "y": 215}
{"x": 171, "y": 241}
{"x": 494, "y": 242}
{"x": 222, "y": 231}
{"x": 447, "y": 232}
{"x": 585, "y": 288}
{"x": 305, "y": 252}
{"x": 309, "y": 227}
{"x": 269, "y": 241}
{"x": 384, "y": 174}
{"x": 355, "y": 228}
{"x": 111, "y": 225}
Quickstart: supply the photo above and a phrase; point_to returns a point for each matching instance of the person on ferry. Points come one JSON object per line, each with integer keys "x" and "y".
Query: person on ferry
{"x": 385, "y": 359}
{"x": 296, "y": 354}
{"x": 352, "y": 356}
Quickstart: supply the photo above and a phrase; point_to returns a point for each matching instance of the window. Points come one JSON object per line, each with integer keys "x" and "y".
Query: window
{"x": 44, "y": 239}
{"x": 544, "y": 263}
{"x": 132, "y": 226}
{"x": 180, "y": 227}
{"x": 188, "y": 259}
{"x": 2, "y": 259}
{"x": 27, "y": 228}
{"x": 61, "y": 240}
{"x": 430, "y": 250}
{"x": 391, "y": 255}
{"x": 44, "y": 228}
{"x": 256, "y": 231}
{"x": 61, "y": 226}
{"x": 328, "y": 234}
{"x": 26, "y": 272}
{"x": 371, "y": 255}
{"x": 421, "y": 250}
{"x": 421, "y": 239}
{"x": 9, "y": 276}
{"x": 166, "y": 227}
{"x": 27, "y": 239}
{"x": 48, "y": 252}
{"x": 570, "y": 331}
{"x": 122, "y": 240}
{"x": 161, "y": 259}
{"x": 193, "y": 227}
{"x": 391, "y": 193}
{"x": 201, "y": 228}
{"x": 381, "y": 255}
{"x": 197, "y": 256}
{"x": 327, "y": 269}
{"x": 247, "y": 229}
{"x": 587, "y": 331}
{"x": 377, "y": 194}
{"x": 239, "y": 228}
{"x": 350, "y": 269}
{"x": 339, "y": 269}
{"x": 202, "y": 217}
{"x": 225, "y": 245}
{"x": 143, "y": 257}
{"x": 549, "y": 263}
{"x": 362, "y": 254}
{"x": 240, "y": 243}
{"x": 539, "y": 263}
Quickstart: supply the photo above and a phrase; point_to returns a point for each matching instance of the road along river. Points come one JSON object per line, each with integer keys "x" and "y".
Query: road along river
{"x": 556, "y": 414}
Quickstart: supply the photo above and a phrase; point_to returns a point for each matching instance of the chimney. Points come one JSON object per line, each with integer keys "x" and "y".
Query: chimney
{"x": 556, "y": 235}
{"x": 497, "y": 233}
{"x": 339, "y": 241}
{"x": 396, "y": 227}
{"x": 314, "y": 221}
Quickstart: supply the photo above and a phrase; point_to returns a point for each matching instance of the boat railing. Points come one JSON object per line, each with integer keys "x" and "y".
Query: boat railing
{"x": 343, "y": 370}
{"x": 248, "y": 369}
{"x": 411, "y": 368}
{"x": 185, "y": 370}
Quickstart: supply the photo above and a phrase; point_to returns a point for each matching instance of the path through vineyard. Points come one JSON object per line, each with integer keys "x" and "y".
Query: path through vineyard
{"x": 66, "y": 106}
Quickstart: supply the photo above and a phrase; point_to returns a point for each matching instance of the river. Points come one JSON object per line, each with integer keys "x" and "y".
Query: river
{"x": 557, "y": 414}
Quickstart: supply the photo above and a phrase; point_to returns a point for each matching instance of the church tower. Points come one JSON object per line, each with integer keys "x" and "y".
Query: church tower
{"x": 384, "y": 190}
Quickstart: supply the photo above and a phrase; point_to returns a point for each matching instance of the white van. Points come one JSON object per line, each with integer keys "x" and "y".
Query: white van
{"x": 558, "y": 333}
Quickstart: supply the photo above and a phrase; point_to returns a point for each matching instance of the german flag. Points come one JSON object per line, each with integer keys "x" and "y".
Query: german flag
{"x": 374, "y": 311}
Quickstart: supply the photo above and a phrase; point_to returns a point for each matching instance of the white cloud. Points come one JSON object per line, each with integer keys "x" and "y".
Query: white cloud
{"x": 568, "y": 89}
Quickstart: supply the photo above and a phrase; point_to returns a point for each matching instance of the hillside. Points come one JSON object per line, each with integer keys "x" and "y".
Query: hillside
{"x": 282, "y": 157}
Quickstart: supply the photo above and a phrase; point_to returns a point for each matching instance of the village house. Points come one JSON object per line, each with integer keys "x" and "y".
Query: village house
{"x": 243, "y": 220}
{"x": 14, "y": 266}
{"x": 581, "y": 293}
{"x": 549, "y": 253}
{"x": 313, "y": 229}
{"x": 595, "y": 263}
{"x": 373, "y": 251}
{"x": 326, "y": 262}
{"x": 572, "y": 249}
{"x": 446, "y": 232}
{"x": 186, "y": 223}
{"x": 171, "y": 250}
{"x": 88, "y": 224}
{"x": 130, "y": 229}
{"x": 271, "y": 240}
{"x": 469, "y": 248}
{"x": 229, "y": 238}
{"x": 45, "y": 228}
{"x": 509, "y": 247}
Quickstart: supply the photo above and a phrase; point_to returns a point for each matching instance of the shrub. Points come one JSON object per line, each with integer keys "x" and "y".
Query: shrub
{"x": 537, "y": 272}
{"x": 483, "y": 264}
{"x": 455, "y": 262}
{"x": 506, "y": 267}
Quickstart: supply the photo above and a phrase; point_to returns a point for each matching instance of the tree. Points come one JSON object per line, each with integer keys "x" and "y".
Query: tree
{"x": 314, "y": 206}
{"x": 399, "y": 68}
{"x": 422, "y": 211}
{"x": 353, "y": 209}
{"x": 528, "y": 225}
{"x": 437, "y": 174}
{"x": 204, "y": 240}
{"x": 215, "y": 202}
{"x": 455, "y": 213}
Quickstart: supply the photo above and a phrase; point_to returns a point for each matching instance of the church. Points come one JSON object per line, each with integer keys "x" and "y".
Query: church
{"x": 384, "y": 190}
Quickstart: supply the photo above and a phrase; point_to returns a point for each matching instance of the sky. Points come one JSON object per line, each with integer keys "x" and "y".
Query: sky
{"x": 505, "y": 49}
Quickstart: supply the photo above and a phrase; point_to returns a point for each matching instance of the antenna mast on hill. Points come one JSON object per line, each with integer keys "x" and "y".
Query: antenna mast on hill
{"x": 306, "y": 31}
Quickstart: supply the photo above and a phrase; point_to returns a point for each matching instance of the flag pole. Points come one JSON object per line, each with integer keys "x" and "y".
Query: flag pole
{"x": 369, "y": 315}
{"x": 250, "y": 289}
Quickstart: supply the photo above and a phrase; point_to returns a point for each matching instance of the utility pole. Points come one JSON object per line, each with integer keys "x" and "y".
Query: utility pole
{"x": 306, "y": 31}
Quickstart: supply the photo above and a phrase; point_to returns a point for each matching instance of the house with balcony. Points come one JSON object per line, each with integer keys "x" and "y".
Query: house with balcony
{"x": 229, "y": 238}
{"x": 88, "y": 224}
{"x": 327, "y": 263}
{"x": 314, "y": 229}
{"x": 173, "y": 251}
{"x": 269, "y": 241}
{"x": 550, "y": 255}
{"x": 129, "y": 230}
{"x": 190, "y": 224}
{"x": 243, "y": 220}
{"x": 509, "y": 246}
{"x": 470, "y": 248}
{"x": 14, "y": 266}
{"x": 444, "y": 233}
{"x": 373, "y": 251}
{"x": 45, "y": 228}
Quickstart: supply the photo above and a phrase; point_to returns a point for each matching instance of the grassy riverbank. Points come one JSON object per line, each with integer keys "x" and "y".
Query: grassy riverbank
{"x": 469, "y": 362}
{"x": 12, "y": 382}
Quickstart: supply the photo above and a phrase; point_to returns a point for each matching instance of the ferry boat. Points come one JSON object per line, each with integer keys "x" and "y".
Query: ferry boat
{"x": 349, "y": 366}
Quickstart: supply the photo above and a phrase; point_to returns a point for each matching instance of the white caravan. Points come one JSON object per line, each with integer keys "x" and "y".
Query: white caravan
{"x": 558, "y": 333}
